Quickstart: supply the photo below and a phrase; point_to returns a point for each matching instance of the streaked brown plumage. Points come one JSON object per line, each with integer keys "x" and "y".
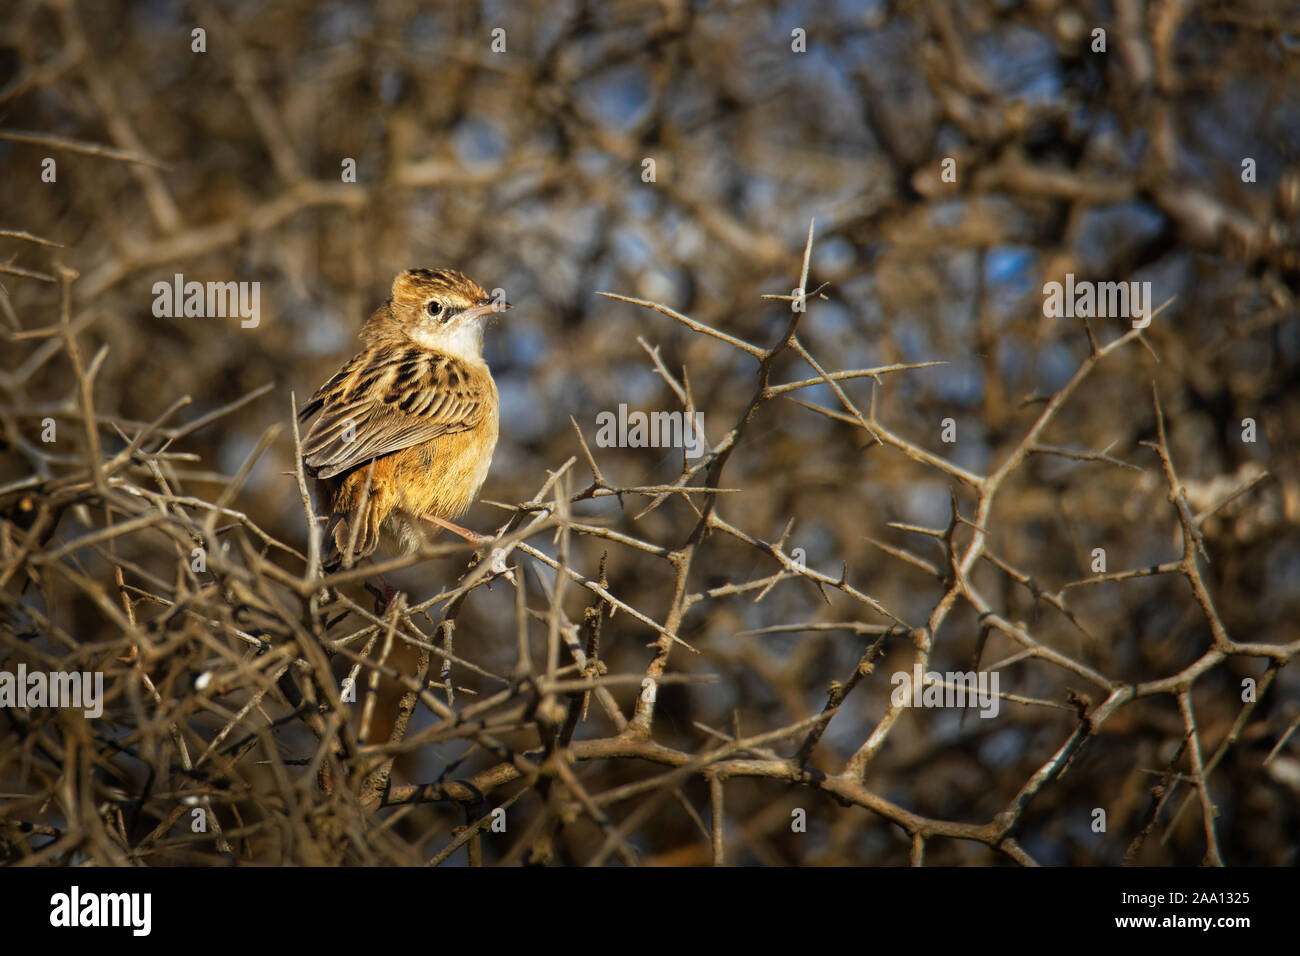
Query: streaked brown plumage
{"x": 414, "y": 413}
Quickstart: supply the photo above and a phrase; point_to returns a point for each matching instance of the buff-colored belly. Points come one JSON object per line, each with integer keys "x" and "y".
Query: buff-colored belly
{"x": 443, "y": 481}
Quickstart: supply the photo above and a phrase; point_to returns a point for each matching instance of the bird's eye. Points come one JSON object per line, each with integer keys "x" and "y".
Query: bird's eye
{"x": 433, "y": 307}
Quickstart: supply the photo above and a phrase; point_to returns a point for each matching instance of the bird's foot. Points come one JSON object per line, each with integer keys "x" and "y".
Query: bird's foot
{"x": 496, "y": 558}
{"x": 383, "y": 594}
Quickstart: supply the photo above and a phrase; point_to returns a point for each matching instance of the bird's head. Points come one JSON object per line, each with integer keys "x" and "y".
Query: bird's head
{"x": 443, "y": 309}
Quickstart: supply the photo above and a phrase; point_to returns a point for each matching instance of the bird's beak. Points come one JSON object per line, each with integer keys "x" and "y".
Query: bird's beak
{"x": 485, "y": 307}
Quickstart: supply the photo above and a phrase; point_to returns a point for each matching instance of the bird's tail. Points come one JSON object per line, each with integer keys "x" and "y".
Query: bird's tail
{"x": 340, "y": 549}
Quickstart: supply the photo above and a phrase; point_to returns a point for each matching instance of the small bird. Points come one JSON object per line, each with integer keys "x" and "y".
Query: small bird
{"x": 407, "y": 427}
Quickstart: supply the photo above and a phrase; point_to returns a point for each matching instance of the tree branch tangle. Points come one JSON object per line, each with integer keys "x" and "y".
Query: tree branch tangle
{"x": 834, "y": 257}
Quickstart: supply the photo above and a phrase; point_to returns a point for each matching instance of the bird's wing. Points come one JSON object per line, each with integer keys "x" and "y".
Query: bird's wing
{"x": 388, "y": 398}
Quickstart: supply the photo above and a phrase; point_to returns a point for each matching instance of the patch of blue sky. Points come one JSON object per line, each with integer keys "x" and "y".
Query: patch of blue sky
{"x": 1012, "y": 357}
{"x": 1011, "y": 271}
{"x": 1012, "y": 284}
{"x": 853, "y": 12}
{"x": 528, "y": 418}
{"x": 1288, "y": 340}
{"x": 759, "y": 195}
{"x": 632, "y": 248}
{"x": 829, "y": 321}
{"x": 641, "y": 203}
{"x": 478, "y": 142}
{"x": 1132, "y": 145}
{"x": 1055, "y": 365}
{"x": 817, "y": 394}
{"x": 1283, "y": 572}
{"x": 912, "y": 340}
{"x": 234, "y": 451}
{"x": 593, "y": 162}
{"x": 818, "y": 540}
{"x": 159, "y": 15}
{"x": 618, "y": 98}
{"x": 636, "y": 384}
{"x": 957, "y": 306}
{"x": 972, "y": 451}
{"x": 834, "y": 255}
{"x": 859, "y": 294}
{"x": 924, "y": 502}
{"x": 390, "y": 86}
{"x": 320, "y": 330}
{"x": 336, "y": 24}
{"x": 948, "y": 213}
{"x": 577, "y": 228}
{"x": 525, "y": 345}
{"x": 1235, "y": 116}
{"x": 1171, "y": 277}
{"x": 1114, "y": 233}
{"x": 1020, "y": 63}
{"x": 423, "y": 26}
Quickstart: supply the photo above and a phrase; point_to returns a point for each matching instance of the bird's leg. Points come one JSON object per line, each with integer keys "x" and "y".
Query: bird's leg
{"x": 496, "y": 560}
{"x": 473, "y": 537}
{"x": 384, "y": 594}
